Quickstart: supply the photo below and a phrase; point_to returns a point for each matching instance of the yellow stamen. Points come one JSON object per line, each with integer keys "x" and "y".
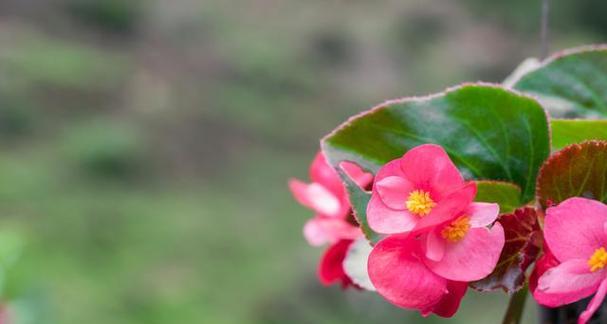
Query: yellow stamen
{"x": 598, "y": 260}
{"x": 456, "y": 231}
{"x": 420, "y": 203}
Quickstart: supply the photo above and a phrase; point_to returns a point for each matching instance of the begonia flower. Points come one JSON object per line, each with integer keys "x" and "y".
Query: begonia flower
{"x": 442, "y": 238}
{"x": 575, "y": 232}
{"x": 333, "y": 223}
{"x": 420, "y": 271}
{"x": 420, "y": 190}
{"x": 465, "y": 249}
{"x": 398, "y": 274}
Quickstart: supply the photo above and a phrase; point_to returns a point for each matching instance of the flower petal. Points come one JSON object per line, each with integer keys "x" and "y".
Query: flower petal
{"x": 390, "y": 169}
{"x": 330, "y": 269}
{"x": 472, "y": 258}
{"x": 449, "y": 304}
{"x": 394, "y": 191}
{"x": 574, "y": 228}
{"x": 316, "y": 197}
{"x": 355, "y": 263}
{"x": 399, "y": 276}
{"x": 385, "y": 220}
{"x": 356, "y": 173}
{"x": 451, "y": 206}
{"x": 543, "y": 264}
{"x": 482, "y": 214}
{"x": 594, "y": 304}
{"x": 566, "y": 283}
{"x": 321, "y": 172}
{"x": 435, "y": 246}
{"x": 430, "y": 165}
{"x": 320, "y": 230}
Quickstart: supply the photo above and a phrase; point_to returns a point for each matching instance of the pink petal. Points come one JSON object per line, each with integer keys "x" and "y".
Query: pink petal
{"x": 482, "y": 214}
{"x": 574, "y": 228}
{"x": 316, "y": 197}
{"x": 330, "y": 269}
{"x": 320, "y": 230}
{"x": 594, "y": 304}
{"x": 360, "y": 177}
{"x": 472, "y": 258}
{"x": 394, "y": 191}
{"x": 430, "y": 165}
{"x": 385, "y": 220}
{"x": 321, "y": 172}
{"x": 451, "y": 206}
{"x": 543, "y": 264}
{"x": 390, "y": 169}
{"x": 566, "y": 283}
{"x": 399, "y": 276}
{"x": 435, "y": 246}
{"x": 449, "y": 304}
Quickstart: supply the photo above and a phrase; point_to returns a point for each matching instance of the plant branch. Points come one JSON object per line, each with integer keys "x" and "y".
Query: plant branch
{"x": 514, "y": 313}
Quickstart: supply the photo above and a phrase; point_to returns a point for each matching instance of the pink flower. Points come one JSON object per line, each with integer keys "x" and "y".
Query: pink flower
{"x": 418, "y": 191}
{"x": 330, "y": 268}
{"x": 326, "y": 195}
{"x": 576, "y": 233}
{"x": 420, "y": 271}
{"x": 464, "y": 249}
{"x": 443, "y": 239}
{"x": 399, "y": 276}
{"x": 333, "y": 222}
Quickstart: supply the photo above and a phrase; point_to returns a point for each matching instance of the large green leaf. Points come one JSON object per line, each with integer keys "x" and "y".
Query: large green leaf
{"x": 571, "y": 131}
{"x": 490, "y": 133}
{"x": 570, "y": 84}
{"x": 579, "y": 170}
{"x": 505, "y": 194}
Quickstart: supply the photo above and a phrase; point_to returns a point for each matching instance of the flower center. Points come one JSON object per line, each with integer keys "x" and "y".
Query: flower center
{"x": 598, "y": 260}
{"x": 456, "y": 231}
{"x": 420, "y": 203}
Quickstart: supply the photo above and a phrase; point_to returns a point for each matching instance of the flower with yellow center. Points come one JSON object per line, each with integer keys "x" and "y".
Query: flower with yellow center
{"x": 420, "y": 203}
{"x": 456, "y": 231}
{"x": 598, "y": 260}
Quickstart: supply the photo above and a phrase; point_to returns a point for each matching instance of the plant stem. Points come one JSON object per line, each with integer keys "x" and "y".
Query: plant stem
{"x": 514, "y": 313}
{"x": 544, "y": 29}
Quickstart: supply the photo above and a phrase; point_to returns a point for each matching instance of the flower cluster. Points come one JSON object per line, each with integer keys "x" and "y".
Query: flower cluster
{"x": 437, "y": 239}
{"x": 333, "y": 223}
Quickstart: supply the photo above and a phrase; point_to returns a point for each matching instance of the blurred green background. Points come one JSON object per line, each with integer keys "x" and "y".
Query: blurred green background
{"x": 146, "y": 145}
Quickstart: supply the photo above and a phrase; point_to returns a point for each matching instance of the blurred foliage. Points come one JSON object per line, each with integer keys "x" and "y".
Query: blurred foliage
{"x": 52, "y": 62}
{"x": 113, "y": 15}
{"x": 105, "y": 149}
{"x": 146, "y": 144}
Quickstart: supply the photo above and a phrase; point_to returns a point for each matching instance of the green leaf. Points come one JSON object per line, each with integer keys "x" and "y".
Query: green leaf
{"x": 489, "y": 132}
{"x": 571, "y": 131}
{"x": 578, "y": 170}
{"x": 570, "y": 84}
{"x": 359, "y": 199}
{"x": 522, "y": 245}
{"x": 507, "y": 195}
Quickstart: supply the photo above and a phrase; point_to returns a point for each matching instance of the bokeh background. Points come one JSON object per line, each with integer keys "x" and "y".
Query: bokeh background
{"x": 145, "y": 146}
